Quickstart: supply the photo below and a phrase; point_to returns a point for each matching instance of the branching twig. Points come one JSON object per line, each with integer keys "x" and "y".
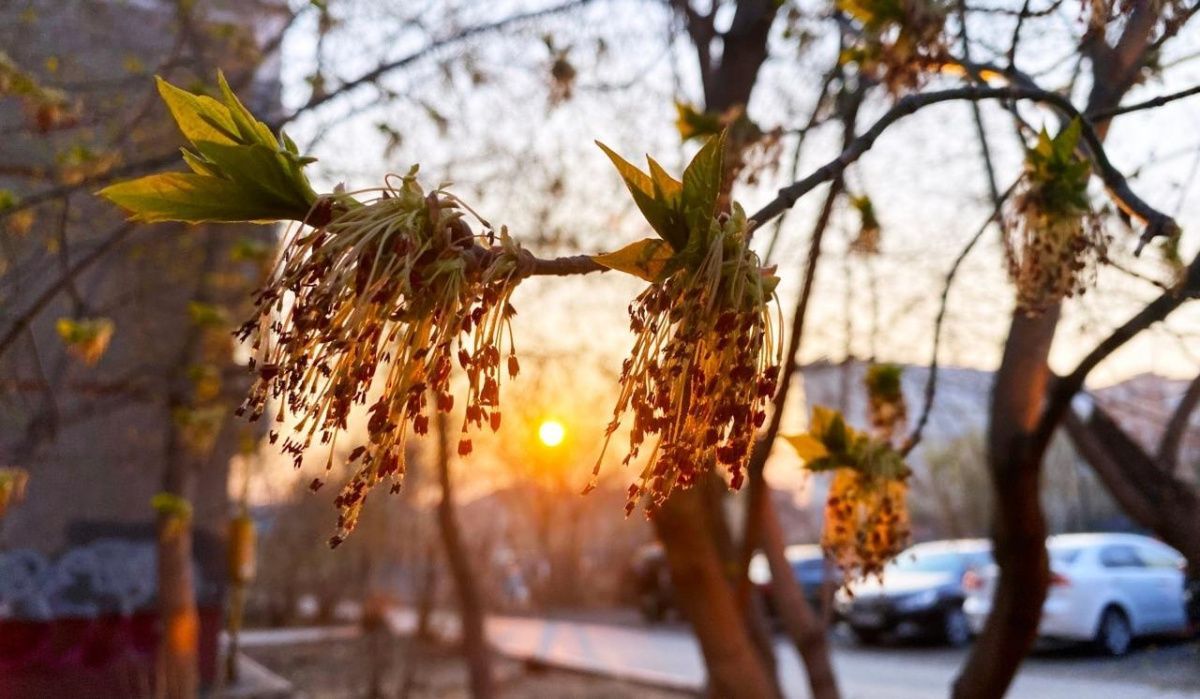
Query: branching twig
{"x": 1058, "y": 399}
{"x": 1106, "y": 114}
{"x": 1157, "y": 223}
{"x": 23, "y": 319}
{"x": 382, "y": 69}
{"x": 914, "y": 437}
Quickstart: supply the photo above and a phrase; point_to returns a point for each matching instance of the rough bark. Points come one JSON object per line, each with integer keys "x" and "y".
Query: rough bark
{"x": 470, "y": 605}
{"x": 1018, "y": 525}
{"x": 1018, "y": 436}
{"x": 706, "y": 599}
{"x": 806, "y": 628}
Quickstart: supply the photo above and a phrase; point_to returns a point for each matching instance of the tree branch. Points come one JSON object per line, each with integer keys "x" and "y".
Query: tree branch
{"x": 384, "y": 68}
{"x": 1058, "y": 400}
{"x": 914, "y": 437}
{"x": 1106, "y": 114}
{"x": 1181, "y": 419}
{"x": 1157, "y": 223}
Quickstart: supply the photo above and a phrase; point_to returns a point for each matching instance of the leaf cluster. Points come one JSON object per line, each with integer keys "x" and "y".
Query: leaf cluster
{"x": 832, "y": 444}
{"x": 240, "y": 170}
{"x": 681, "y": 212}
{"x": 1058, "y": 172}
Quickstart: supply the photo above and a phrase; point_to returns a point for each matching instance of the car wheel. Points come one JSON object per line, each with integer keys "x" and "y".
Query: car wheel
{"x": 867, "y": 637}
{"x": 956, "y": 631}
{"x": 1114, "y": 635}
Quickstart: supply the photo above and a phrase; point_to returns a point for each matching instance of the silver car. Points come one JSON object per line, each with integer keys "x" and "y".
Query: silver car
{"x": 1104, "y": 588}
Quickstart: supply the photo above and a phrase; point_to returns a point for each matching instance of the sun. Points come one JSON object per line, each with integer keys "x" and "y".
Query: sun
{"x": 551, "y": 432}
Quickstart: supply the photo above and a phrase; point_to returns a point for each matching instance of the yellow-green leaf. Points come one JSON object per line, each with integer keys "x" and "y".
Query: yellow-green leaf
{"x": 184, "y": 196}
{"x": 808, "y": 447}
{"x": 665, "y": 219}
{"x": 189, "y": 112}
{"x": 647, "y": 259}
{"x": 702, "y": 185}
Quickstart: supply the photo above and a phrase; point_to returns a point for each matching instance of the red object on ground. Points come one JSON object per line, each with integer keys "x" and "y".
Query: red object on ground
{"x": 101, "y": 657}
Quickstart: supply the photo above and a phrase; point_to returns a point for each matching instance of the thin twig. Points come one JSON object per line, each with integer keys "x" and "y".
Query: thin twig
{"x": 914, "y": 437}
{"x": 1106, "y": 114}
{"x": 1157, "y": 223}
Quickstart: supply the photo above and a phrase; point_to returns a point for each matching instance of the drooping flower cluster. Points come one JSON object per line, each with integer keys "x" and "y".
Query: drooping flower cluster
{"x": 385, "y": 289}
{"x": 704, "y": 364}
{"x": 1053, "y": 241}
{"x": 866, "y": 521}
{"x": 866, "y": 511}
{"x": 706, "y": 355}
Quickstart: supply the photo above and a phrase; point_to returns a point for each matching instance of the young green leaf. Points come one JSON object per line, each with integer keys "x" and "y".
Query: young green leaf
{"x": 648, "y": 259}
{"x": 807, "y": 447}
{"x": 183, "y": 196}
{"x": 702, "y": 188}
{"x": 666, "y": 220}
{"x": 240, "y": 171}
{"x": 199, "y": 117}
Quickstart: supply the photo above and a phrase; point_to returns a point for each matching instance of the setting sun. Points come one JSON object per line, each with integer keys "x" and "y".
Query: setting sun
{"x": 551, "y": 432}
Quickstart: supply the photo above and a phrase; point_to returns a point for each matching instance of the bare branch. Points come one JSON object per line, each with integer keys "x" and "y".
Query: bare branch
{"x": 1157, "y": 223}
{"x": 26, "y": 317}
{"x": 383, "y": 69}
{"x": 1181, "y": 419}
{"x": 1106, "y": 114}
{"x": 914, "y": 437}
{"x": 1058, "y": 400}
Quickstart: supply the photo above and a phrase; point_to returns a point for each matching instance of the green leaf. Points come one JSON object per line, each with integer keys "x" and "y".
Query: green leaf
{"x": 702, "y": 187}
{"x": 807, "y": 447}
{"x": 648, "y": 259}
{"x": 664, "y": 219}
{"x": 251, "y": 129}
{"x": 182, "y": 196}
{"x": 667, "y": 189}
{"x": 261, "y": 170}
{"x": 171, "y": 505}
{"x": 692, "y": 123}
{"x": 200, "y": 118}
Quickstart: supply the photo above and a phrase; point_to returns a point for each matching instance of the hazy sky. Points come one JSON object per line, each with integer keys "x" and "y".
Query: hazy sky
{"x": 481, "y": 117}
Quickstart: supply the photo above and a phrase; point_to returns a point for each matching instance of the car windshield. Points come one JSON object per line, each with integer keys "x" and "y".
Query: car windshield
{"x": 915, "y": 562}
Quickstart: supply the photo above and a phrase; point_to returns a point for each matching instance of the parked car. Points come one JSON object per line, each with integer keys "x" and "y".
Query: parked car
{"x": 810, "y": 569}
{"x": 656, "y": 595}
{"x": 1104, "y": 588}
{"x": 920, "y": 593}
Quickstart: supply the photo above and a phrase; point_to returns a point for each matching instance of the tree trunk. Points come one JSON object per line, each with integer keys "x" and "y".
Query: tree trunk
{"x": 177, "y": 666}
{"x": 470, "y": 605}
{"x": 1018, "y": 525}
{"x": 806, "y": 628}
{"x": 707, "y": 601}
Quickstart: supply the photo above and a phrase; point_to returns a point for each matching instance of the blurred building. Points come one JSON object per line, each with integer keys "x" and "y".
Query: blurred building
{"x": 99, "y": 439}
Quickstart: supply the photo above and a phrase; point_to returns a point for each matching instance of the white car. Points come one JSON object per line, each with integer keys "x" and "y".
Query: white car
{"x": 1104, "y": 588}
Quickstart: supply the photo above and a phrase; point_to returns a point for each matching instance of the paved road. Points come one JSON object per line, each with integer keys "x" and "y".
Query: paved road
{"x": 669, "y": 656}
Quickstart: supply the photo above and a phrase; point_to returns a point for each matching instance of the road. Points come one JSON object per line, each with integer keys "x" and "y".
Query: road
{"x": 669, "y": 656}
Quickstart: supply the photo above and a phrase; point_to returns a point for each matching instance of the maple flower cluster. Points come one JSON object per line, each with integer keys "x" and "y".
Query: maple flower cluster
{"x": 866, "y": 510}
{"x": 1053, "y": 241}
{"x": 385, "y": 290}
{"x": 704, "y": 364}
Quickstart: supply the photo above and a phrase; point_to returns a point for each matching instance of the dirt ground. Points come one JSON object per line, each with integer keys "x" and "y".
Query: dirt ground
{"x": 407, "y": 669}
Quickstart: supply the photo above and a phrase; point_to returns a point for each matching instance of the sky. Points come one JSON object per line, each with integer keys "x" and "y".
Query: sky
{"x": 481, "y": 117}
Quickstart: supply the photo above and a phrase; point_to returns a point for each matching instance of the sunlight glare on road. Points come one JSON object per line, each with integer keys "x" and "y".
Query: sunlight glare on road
{"x": 551, "y": 432}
